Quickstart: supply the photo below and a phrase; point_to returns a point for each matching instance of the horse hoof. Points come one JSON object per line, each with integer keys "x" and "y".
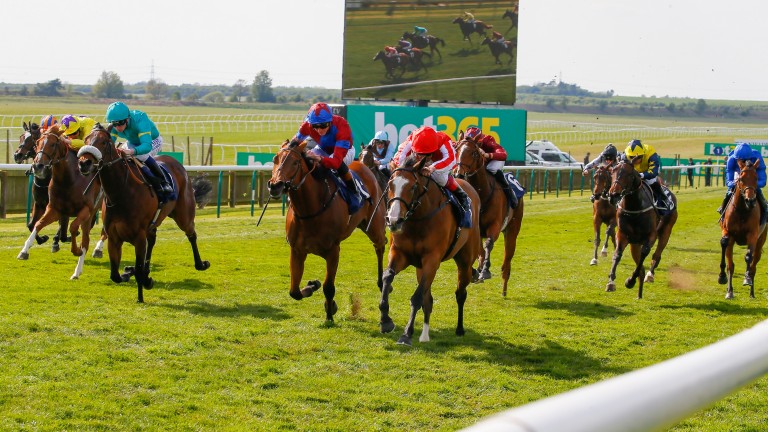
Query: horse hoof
{"x": 74, "y": 277}
{"x": 149, "y": 284}
{"x": 611, "y": 287}
{"x": 125, "y": 277}
{"x": 629, "y": 283}
{"x": 604, "y": 253}
{"x": 747, "y": 282}
{"x": 729, "y": 296}
{"x": 55, "y": 248}
{"x": 42, "y": 239}
{"x": 331, "y": 311}
{"x": 404, "y": 340}
{"x": 593, "y": 262}
{"x": 23, "y": 256}
{"x": 387, "y": 327}
{"x": 722, "y": 279}
{"x": 649, "y": 278}
{"x": 485, "y": 274}
{"x": 98, "y": 253}
{"x": 459, "y": 331}
{"x": 205, "y": 265}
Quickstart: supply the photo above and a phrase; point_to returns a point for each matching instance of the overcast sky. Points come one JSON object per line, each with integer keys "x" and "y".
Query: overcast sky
{"x": 687, "y": 48}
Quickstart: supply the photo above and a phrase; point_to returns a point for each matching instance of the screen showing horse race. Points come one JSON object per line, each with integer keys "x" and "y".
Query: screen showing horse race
{"x": 447, "y": 51}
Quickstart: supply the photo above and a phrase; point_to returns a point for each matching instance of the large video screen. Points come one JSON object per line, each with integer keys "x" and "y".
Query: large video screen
{"x": 469, "y": 54}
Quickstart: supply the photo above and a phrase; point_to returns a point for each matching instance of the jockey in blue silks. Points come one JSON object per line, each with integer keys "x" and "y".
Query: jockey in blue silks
{"x": 745, "y": 153}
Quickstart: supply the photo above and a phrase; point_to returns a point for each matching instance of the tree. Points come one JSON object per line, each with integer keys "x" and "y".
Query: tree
{"x": 261, "y": 89}
{"x": 51, "y": 88}
{"x": 701, "y": 106}
{"x": 109, "y": 86}
{"x": 156, "y": 89}
{"x": 214, "y": 97}
{"x": 238, "y": 90}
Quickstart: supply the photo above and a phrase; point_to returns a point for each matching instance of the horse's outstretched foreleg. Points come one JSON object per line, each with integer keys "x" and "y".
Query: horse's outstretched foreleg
{"x": 98, "y": 250}
{"x": 140, "y": 271}
{"x": 115, "y": 252}
{"x": 722, "y": 279}
{"x": 485, "y": 265}
{"x": 609, "y": 235}
{"x": 297, "y": 271}
{"x": 596, "y": 242}
{"x": 426, "y": 277}
{"x": 48, "y": 217}
{"x": 395, "y": 265}
{"x": 417, "y": 299}
{"x": 81, "y": 221}
{"x": 329, "y": 284}
{"x": 730, "y": 269}
{"x": 149, "y": 283}
{"x": 611, "y": 286}
{"x": 646, "y": 249}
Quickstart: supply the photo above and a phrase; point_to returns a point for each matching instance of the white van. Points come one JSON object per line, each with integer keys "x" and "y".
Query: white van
{"x": 558, "y": 158}
{"x": 537, "y": 147}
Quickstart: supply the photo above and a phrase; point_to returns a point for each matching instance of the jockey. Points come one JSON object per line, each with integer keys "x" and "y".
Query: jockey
{"x": 406, "y": 46}
{"x": 334, "y": 140}
{"x": 606, "y": 158}
{"x": 426, "y": 142}
{"x": 495, "y": 154}
{"x": 745, "y": 153}
{"x": 143, "y": 140}
{"x": 419, "y": 31}
{"x": 468, "y": 17}
{"x": 499, "y": 39}
{"x": 648, "y": 166}
{"x": 47, "y": 122}
{"x": 390, "y": 51}
{"x": 383, "y": 151}
{"x": 75, "y": 130}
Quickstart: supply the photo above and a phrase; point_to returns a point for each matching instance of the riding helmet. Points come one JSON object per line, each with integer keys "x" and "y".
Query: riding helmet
{"x": 70, "y": 124}
{"x": 610, "y": 152}
{"x": 48, "y": 121}
{"x": 743, "y": 152}
{"x": 634, "y": 148}
{"x": 319, "y": 113}
{"x": 381, "y": 136}
{"x": 424, "y": 140}
{"x": 472, "y": 132}
{"x": 117, "y": 111}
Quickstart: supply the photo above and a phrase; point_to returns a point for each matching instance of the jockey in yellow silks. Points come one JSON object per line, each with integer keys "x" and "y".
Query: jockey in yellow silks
{"x": 75, "y": 130}
{"x": 649, "y": 167}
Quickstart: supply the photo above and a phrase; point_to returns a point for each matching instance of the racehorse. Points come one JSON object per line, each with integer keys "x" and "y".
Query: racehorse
{"x": 416, "y": 58}
{"x": 513, "y": 16}
{"x": 741, "y": 225}
{"x": 392, "y": 63}
{"x": 26, "y": 150}
{"x": 497, "y": 49}
{"x": 424, "y": 233}
{"x": 133, "y": 211}
{"x": 603, "y": 211}
{"x": 366, "y": 158}
{"x": 422, "y": 42}
{"x": 69, "y": 195}
{"x": 638, "y": 224}
{"x": 496, "y": 216}
{"x": 468, "y": 28}
{"x": 318, "y": 219}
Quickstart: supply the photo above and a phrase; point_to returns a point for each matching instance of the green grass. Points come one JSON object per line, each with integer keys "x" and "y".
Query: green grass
{"x": 228, "y": 349}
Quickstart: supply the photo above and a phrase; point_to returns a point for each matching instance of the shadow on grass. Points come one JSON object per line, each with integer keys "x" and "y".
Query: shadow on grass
{"x": 585, "y": 309}
{"x": 186, "y": 284}
{"x": 209, "y": 309}
{"x": 732, "y": 308}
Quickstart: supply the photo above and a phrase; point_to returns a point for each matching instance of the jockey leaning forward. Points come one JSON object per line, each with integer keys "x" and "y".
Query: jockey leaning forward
{"x": 496, "y": 156}
{"x": 75, "y": 129}
{"x": 744, "y": 152}
{"x": 648, "y": 166}
{"x": 607, "y": 158}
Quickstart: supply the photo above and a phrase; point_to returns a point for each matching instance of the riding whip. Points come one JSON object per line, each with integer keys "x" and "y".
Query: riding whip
{"x": 383, "y": 194}
{"x": 263, "y": 210}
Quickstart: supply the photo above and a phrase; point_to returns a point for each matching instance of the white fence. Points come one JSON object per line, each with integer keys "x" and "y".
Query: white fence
{"x": 648, "y": 399}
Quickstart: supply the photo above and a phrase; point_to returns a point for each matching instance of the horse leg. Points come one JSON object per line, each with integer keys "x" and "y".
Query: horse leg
{"x": 417, "y": 299}
{"x": 37, "y": 212}
{"x": 115, "y": 251}
{"x": 427, "y": 302}
{"x": 510, "y": 245}
{"x": 140, "y": 249}
{"x": 81, "y": 220}
{"x": 98, "y": 250}
{"x": 464, "y": 269}
{"x": 199, "y": 263}
{"x": 49, "y": 216}
{"x": 610, "y": 234}
{"x": 329, "y": 287}
{"x": 596, "y": 242}
{"x": 485, "y": 266}
{"x": 722, "y": 279}
{"x": 731, "y": 268}
{"x": 396, "y": 264}
{"x": 636, "y": 252}
{"x": 297, "y": 271}
{"x": 622, "y": 243}
{"x": 151, "y": 239}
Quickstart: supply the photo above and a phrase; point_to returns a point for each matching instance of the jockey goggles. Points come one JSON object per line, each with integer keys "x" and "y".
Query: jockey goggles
{"x": 320, "y": 125}
{"x": 119, "y": 122}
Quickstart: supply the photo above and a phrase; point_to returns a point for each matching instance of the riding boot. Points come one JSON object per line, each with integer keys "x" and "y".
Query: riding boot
{"x": 727, "y": 198}
{"x": 763, "y": 205}
{"x": 511, "y": 197}
{"x": 351, "y": 186}
{"x": 466, "y": 204}
{"x": 151, "y": 163}
{"x": 660, "y": 196}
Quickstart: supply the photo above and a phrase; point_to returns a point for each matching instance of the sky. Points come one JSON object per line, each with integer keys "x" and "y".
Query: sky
{"x": 682, "y": 48}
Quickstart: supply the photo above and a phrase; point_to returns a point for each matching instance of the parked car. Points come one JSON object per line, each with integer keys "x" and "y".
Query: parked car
{"x": 558, "y": 158}
{"x": 540, "y": 146}
{"x": 533, "y": 159}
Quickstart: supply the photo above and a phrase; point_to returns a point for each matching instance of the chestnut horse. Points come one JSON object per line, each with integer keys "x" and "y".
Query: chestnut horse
{"x": 425, "y": 232}
{"x": 133, "y": 211}
{"x": 428, "y": 41}
{"x": 468, "y": 28}
{"x": 497, "y": 49}
{"x": 496, "y": 216}
{"x": 26, "y": 150}
{"x": 367, "y": 159}
{"x": 69, "y": 194}
{"x": 741, "y": 225}
{"x": 603, "y": 211}
{"x": 318, "y": 218}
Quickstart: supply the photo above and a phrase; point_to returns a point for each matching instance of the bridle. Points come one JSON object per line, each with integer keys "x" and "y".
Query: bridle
{"x": 475, "y": 155}
{"x": 299, "y": 168}
{"x": 636, "y": 180}
{"x": 418, "y": 191}
{"x": 41, "y": 152}
{"x": 28, "y": 139}
{"x": 602, "y": 177}
{"x": 744, "y": 188}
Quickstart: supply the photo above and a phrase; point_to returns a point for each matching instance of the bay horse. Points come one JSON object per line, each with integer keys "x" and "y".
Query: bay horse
{"x": 513, "y": 15}
{"x": 497, "y": 50}
{"x": 69, "y": 194}
{"x": 496, "y": 216}
{"x": 425, "y": 232}
{"x": 415, "y": 58}
{"x": 367, "y": 158}
{"x": 318, "y": 218}
{"x": 26, "y": 150}
{"x": 133, "y": 211}
{"x": 638, "y": 224}
{"x": 603, "y": 211}
{"x": 741, "y": 225}
{"x": 428, "y": 41}
{"x": 468, "y": 28}
{"x": 392, "y": 63}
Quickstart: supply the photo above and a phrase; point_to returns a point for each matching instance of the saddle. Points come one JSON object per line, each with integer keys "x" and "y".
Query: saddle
{"x": 463, "y": 217}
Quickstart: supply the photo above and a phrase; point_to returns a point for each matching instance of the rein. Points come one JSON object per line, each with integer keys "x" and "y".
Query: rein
{"x": 53, "y": 161}
{"x": 416, "y": 201}
{"x": 296, "y": 188}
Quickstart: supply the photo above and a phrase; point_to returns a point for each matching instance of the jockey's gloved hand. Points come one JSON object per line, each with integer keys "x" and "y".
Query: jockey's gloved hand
{"x": 642, "y": 175}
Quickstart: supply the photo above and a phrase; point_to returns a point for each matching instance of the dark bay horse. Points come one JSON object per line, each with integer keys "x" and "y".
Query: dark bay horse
{"x": 366, "y": 158}
{"x": 318, "y": 218}
{"x": 133, "y": 213}
{"x": 513, "y": 15}
{"x": 741, "y": 225}
{"x": 497, "y": 49}
{"x": 603, "y": 211}
{"x": 468, "y": 28}
{"x": 69, "y": 195}
{"x": 425, "y": 232}
{"x": 416, "y": 58}
{"x": 496, "y": 216}
{"x": 422, "y": 42}
{"x": 26, "y": 150}
{"x": 392, "y": 63}
{"x": 637, "y": 222}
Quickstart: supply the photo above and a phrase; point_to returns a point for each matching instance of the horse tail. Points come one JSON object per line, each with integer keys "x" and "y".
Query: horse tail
{"x": 488, "y": 25}
{"x": 202, "y": 188}
{"x": 442, "y": 41}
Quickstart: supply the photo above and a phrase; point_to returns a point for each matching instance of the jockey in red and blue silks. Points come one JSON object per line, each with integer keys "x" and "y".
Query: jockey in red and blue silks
{"x": 438, "y": 146}
{"x": 745, "y": 153}
{"x": 334, "y": 141}
{"x": 496, "y": 156}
